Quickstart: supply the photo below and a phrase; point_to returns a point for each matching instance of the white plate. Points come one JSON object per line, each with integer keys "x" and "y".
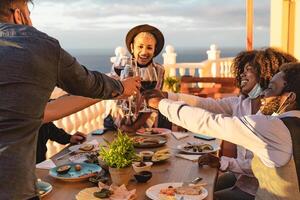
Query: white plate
{"x": 153, "y": 192}
{"x": 161, "y": 132}
{"x": 215, "y": 148}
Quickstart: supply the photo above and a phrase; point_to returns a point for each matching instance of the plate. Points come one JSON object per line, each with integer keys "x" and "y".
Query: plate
{"x": 148, "y": 142}
{"x": 153, "y": 131}
{"x": 153, "y": 192}
{"x": 181, "y": 148}
{"x": 87, "y": 170}
{"x": 44, "y": 188}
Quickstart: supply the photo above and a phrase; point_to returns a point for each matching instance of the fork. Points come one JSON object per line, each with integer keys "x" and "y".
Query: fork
{"x": 196, "y": 180}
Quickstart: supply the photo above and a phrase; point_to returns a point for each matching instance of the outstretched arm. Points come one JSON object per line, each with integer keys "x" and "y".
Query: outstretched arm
{"x": 66, "y": 105}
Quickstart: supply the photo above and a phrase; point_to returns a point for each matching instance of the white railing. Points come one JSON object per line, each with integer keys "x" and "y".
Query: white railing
{"x": 208, "y": 68}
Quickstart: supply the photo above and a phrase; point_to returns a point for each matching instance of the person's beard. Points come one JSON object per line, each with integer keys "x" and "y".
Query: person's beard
{"x": 271, "y": 107}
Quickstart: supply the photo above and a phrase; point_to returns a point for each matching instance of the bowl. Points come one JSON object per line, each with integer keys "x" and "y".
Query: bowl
{"x": 146, "y": 155}
{"x": 143, "y": 176}
{"x": 137, "y": 168}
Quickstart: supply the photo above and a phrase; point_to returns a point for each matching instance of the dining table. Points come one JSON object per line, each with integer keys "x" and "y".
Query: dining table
{"x": 175, "y": 169}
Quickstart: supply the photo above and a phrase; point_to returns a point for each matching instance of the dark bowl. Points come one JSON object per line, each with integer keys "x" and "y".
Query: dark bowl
{"x": 143, "y": 176}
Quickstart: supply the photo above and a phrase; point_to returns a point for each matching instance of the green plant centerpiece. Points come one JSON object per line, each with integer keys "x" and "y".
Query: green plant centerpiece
{"x": 118, "y": 156}
{"x": 172, "y": 83}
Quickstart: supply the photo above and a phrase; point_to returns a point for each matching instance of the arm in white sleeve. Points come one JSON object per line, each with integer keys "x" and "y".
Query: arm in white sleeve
{"x": 265, "y": 136}
{"x": 224, "y": 105}
{"x": 233, "y": 165}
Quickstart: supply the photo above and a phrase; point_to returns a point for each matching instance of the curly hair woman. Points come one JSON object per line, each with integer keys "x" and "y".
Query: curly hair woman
{"x": 253, "y": 71}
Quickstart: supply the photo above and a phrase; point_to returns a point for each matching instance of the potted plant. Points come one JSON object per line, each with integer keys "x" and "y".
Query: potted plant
{"x": 118, "y": 156}
{"x": 172, "y": 84}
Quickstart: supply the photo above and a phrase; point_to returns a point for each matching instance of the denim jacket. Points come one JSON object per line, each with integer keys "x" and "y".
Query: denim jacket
{"x": 31, "y": 65}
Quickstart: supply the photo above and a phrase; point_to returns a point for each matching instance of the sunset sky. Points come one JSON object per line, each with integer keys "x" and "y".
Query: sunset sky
{"x": 103, "y": 24}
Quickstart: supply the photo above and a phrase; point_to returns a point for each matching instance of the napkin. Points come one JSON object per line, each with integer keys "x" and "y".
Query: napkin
{"x": 78, "y": 158}
{"x": 180, "y": 135}
{"x": 47, "y": 164}
{"x": 193, "y": 158}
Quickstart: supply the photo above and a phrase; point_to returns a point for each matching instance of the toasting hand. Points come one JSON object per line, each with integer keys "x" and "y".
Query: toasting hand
{"x": 153, "y": 97}
{"x": 78, "y": 137}
{"x": 210, "y": 160}
{"x": 131, "y": 86}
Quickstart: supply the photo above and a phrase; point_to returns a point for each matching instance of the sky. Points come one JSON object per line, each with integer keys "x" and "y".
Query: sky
{"x": 103, "y": 24}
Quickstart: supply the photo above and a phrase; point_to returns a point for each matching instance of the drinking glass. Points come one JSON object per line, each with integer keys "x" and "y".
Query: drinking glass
{"x": 149, "y": 80}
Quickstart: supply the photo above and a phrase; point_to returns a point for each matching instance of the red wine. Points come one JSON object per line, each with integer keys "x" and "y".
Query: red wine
{"x": 148, "y": 85}
{"x": 118, "y": 71}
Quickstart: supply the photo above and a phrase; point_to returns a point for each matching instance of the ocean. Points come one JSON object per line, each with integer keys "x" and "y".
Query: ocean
{"x": 99, "y": 59}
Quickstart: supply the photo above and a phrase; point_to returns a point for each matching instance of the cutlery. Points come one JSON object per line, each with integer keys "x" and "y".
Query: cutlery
{"x": 71, "y": 149}
{"x": 196, "y": 180}
{"x": 64, "y": 155}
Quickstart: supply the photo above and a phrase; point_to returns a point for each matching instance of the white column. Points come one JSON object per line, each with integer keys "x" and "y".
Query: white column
{"x": 213, "y": 54}
{"x": 119, "y": 52}
{"x": 170, "y": 55}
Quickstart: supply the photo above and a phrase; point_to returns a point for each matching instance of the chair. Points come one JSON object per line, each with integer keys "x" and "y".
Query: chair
{"x": 215, "y": 87}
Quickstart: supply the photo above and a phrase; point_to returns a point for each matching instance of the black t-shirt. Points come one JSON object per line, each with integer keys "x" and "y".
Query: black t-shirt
{"x": 47, "y": 132}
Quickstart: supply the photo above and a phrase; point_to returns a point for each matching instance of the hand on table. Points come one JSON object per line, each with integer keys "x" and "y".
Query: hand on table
{"x": 131, "y": 86}
{"x": 78, "y": 137}
{"x": 153, "y": 97}
{"x": 210, "y": 160}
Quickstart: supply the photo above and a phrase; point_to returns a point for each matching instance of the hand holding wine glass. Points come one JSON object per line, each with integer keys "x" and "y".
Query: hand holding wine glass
{"x": 131, "y": 86}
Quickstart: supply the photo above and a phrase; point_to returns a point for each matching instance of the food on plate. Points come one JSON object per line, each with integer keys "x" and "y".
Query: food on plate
{"x": 86, "y": 147}
{"x": 167, "y": 193}
{"x": 150, "y": 131}
{"x": 77, "y": 167}
{"x": 161, "y": 155}
{"x": 145, "y": 140}
{"x": 63, "y": 169}
{"x": 198, "y": 147}
{"x": 189, "y": 190}
{"x": 170, "y": 192}
{"x": 112, "y": 192}
{"x": 103, "y": 193}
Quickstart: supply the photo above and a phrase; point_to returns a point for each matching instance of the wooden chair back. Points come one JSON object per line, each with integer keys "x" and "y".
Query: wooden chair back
{"x": 215, "y": 87}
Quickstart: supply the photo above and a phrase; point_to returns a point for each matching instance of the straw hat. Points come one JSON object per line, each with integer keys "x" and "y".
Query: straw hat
{"x": 160, "y": 41}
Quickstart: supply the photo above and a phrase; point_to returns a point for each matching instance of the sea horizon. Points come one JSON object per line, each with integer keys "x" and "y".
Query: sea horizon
{"x": 99, "y": 59}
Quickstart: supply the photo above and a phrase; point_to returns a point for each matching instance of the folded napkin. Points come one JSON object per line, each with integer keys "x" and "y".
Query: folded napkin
{"x": 78, "y": 158}
{"x": 47, "y": 164}
{"x": 180, "y": 135}
{"x": 193, "y": 158}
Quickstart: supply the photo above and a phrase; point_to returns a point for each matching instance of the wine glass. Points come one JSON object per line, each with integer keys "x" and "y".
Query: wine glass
{"x": 149, "y": 80}
{"x": 119, "y": 65}
{"x": 129, "y": 71}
